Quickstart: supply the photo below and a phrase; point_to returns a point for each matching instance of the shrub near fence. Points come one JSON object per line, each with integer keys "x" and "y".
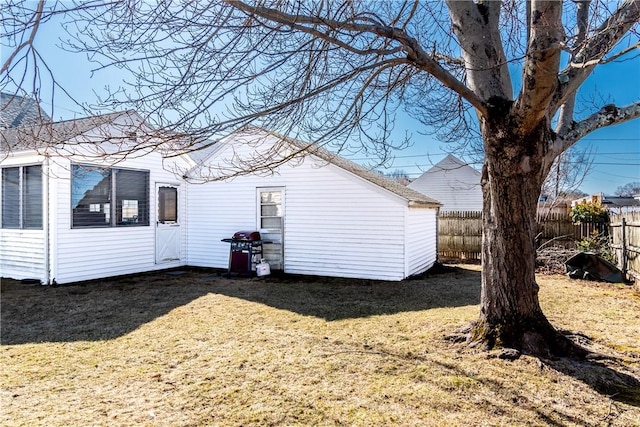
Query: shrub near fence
{"x": 460, "y": 233}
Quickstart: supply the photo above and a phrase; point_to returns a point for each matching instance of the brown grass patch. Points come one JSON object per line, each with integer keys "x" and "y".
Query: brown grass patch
{"x": 199, "y": 349}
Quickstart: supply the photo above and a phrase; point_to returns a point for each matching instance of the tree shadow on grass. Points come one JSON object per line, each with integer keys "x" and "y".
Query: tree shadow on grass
{"x": 91, "y": 311}
{"x": 109, "y": 308}
{"x": 335, "y": 298}
{"x": 607, "y": 376}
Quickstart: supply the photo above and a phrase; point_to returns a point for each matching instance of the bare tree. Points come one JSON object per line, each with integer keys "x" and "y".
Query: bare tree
{"x": 23, "y": 69}
{"x": 337, "y": 72}
{"x": 630, "y": 189}
{"x": 565, "y": 178}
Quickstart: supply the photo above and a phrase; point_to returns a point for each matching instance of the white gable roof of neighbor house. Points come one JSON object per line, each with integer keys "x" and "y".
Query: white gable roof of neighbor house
{"x": 454, "y": 183}
{"x": 280, "y": 149}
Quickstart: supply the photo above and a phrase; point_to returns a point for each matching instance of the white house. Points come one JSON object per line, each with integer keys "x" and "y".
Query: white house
{"x": 453, "y": 183}
{"x": 326, "y": 215}
{"x": 72, "y": 210}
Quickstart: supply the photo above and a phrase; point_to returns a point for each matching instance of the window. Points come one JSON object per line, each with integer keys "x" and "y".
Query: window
{"x": 22, "y": 197}
{"x": 271, "y": 209}
{"x": 167, "y": 205}
{"x": 94, "y": 191}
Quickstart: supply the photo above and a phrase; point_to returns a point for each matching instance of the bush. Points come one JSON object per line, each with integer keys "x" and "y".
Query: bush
{"x": 597, "y": 243}
{"x": 589, "y": 212}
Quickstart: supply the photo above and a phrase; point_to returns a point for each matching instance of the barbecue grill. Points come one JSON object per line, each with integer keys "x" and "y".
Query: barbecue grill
{"x": 245, "y": 252}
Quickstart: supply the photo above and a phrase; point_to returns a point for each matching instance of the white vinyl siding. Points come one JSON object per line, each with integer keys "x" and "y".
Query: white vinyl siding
{"x": 90, "y": 253}
{"x": 22, "y": 254}
{"x": 335, "y": 223}
{"x": 339, "y": 225}
{"x": 421, "y": 239}
{"x": 216, "y": 211}
{"x": 453, "y": 183}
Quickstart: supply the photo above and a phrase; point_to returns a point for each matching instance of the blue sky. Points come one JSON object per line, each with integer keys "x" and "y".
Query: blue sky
{"x": 617, "y": 148}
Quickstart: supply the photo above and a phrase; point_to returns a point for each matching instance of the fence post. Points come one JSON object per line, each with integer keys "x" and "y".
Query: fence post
{"x": 623, "y": 245}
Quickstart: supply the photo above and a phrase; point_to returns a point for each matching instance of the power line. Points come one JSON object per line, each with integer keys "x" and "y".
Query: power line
{"x": 479, "y": 163}
{"x": 438, "y": 153}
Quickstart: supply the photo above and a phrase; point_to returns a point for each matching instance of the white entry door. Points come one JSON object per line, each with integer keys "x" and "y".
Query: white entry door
{"x": 168, "y": 224}
{"x": 271, "y": 224}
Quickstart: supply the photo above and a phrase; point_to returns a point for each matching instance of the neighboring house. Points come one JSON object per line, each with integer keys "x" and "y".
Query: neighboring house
{"x": 453, "y": 183}
{"x": 615, "y": 204}
{"x": 548, "y": 205}
{"x": 71, "y": 209}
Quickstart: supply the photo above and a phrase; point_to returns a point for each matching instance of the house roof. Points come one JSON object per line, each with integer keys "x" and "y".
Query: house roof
{"x": 304, "y": 148}
{"x": 453, "y": 182}
{"x": 620, "y": 201}
{"x": 40, "y": 134}
{"x": 18, "y": 110}
{"x": 451, "y": 162}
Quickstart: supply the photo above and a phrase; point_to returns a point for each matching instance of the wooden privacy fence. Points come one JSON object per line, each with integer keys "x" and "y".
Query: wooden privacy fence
{"x": 460, "y": 233}
{"x": 625, "y": 241}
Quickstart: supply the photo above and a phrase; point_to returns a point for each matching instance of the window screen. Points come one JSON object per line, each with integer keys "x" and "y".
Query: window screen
{"x": 11, "y": 198}
{"x": 132, "y": 197}
{"x": 22, "y": 197}
{"x": 32, "y": 197}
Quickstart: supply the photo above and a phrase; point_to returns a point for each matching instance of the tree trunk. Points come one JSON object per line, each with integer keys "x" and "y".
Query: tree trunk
{"x": 510, "y": 314}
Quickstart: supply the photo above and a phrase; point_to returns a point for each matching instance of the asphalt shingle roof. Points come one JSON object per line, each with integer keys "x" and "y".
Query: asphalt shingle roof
{"x": 42, "y": 134}
{"x": 18, "y": 110}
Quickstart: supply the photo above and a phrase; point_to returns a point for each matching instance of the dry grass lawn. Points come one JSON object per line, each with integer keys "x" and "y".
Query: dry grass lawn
{"x": 198, "y": 349}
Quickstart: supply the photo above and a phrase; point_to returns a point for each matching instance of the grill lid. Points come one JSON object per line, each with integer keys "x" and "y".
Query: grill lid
{"x": 247, "y": 235}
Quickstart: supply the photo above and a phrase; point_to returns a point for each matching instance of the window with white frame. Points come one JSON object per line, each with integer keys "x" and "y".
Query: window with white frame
{"x": 271, "y": 209}
{"x": 109, "y": 197}
{"x": 22, "y": 197}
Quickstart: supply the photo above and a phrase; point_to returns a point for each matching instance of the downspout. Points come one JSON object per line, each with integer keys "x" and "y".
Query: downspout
{"x": 45, "y": 219}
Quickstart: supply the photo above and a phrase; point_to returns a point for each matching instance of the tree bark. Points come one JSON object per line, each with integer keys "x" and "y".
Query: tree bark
{"x": 510, "y": 314}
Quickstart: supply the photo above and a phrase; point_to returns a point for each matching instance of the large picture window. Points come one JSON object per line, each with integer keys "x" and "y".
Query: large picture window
{"x": 109, "y": 197}
{"x": 22, "y": 197}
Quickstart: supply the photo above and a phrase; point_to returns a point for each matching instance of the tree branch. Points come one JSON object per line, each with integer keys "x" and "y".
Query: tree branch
{"x": 415, "y": 53}
{"x": 565, "y": 118}
{"x": 595, "y": 48}
{"x": 476, "y": 27}
{"x": 37, "y": 18}
{"x": 542, "y": 61}
{"x": 607, "y": 116}
{"x": 620, "y": 54}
